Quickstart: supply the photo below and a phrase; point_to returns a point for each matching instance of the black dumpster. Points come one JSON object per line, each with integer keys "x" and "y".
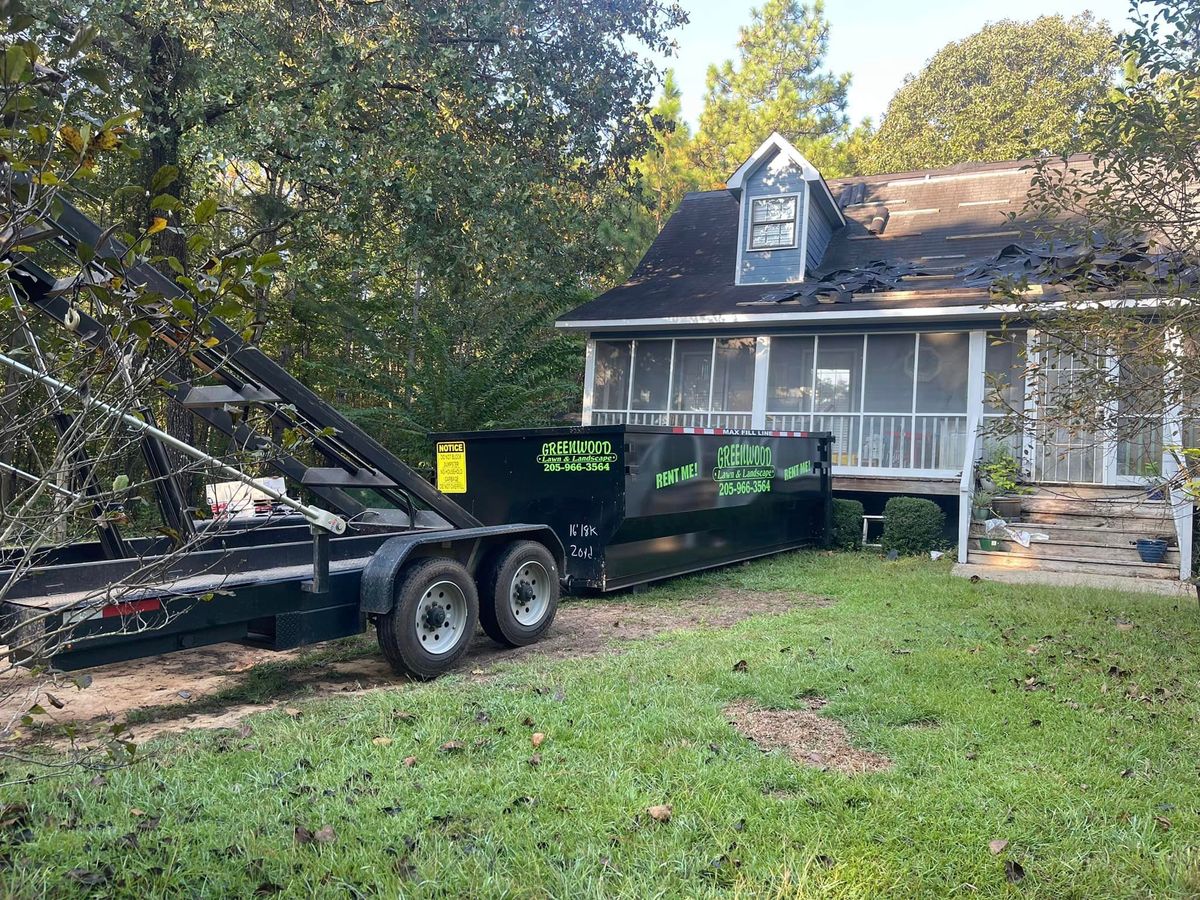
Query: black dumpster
{"x": 633, "y": 504}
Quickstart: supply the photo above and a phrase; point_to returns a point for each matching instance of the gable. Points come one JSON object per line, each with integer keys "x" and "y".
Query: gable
{"x": 781, "y": 178}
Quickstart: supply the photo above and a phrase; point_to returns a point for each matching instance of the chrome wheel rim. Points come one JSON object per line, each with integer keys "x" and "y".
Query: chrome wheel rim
{"x": 529, "y": 593}
{"x": 441, "y": 617}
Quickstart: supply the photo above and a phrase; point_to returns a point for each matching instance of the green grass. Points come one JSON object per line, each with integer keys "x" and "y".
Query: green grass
{"x": 1011, "y": 712}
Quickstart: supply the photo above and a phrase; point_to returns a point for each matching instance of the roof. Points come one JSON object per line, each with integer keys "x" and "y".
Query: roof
{"x": 939, "y": 224}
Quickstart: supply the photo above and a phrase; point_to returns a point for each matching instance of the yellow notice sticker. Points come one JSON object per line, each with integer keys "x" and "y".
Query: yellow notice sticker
{"x": 452, "y": 467}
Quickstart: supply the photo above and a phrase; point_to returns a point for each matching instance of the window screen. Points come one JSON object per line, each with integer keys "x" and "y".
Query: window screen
{"x": 611, "y": 388}
{"x": 651, "y": 374}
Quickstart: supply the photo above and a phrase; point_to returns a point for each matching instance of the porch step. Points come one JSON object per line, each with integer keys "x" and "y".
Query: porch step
{"x": 1015, "y": 561}
{"x": 1115, "y": 534}
{"x": 1121, "y": 553}
{"x": 1098, "y": 512}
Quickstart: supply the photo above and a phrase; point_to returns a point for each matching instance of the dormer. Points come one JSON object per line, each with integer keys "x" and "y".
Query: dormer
{"x": 787, "y": 215}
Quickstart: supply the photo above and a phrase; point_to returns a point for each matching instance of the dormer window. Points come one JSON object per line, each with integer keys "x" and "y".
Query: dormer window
{"x": 772, "y": 223}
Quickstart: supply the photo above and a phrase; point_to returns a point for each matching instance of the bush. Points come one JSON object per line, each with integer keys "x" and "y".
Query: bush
{"x": 847, "y": 525}
{"x": 912, "y": 525}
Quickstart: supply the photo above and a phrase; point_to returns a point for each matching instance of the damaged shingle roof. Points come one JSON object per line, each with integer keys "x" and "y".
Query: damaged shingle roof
{"x": 940, "y": 224}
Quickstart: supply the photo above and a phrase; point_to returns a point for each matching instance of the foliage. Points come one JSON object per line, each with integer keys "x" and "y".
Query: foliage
{"x": 847, "y": 524}
{"x": 1003, "y": 470}
{"x": 912, "y": 525}
{"x": 1012, "y": 90}
{"x": 936, "y": 672}
{"x": 778, "y": 83}
{"x": 1132, "y": 210}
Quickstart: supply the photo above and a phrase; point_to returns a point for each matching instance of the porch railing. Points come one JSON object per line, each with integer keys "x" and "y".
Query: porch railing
{"x": 669, "y": 418}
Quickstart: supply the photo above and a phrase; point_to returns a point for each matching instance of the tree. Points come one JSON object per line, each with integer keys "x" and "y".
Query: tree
{"x": 778, "y": 83}
{"x": 1012, "y": 90}
{"x": 1122, "y": 255}
{"x": 665, "y": 173}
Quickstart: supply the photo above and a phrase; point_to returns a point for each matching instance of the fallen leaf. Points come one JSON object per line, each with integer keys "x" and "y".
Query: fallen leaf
{"x": 1013, "y": 870}
{"x": 1163, "y": 822}
{"x": 452, "y": 747}
{"x": 87, "y": 876}
{"x": 535, "y": 760}
{"x": 268, "y": 888}
{"x": 410, "y": 761}
{"x": 478, "y": 672}
{"x": 244, "y": 730}
{"x": 741, "y": 666}
{"x": 54, "y": 701}
{"x": 401, "y": 716}
{"x": 381, "y": 741}
{"x": 537, "y": 739}
{"x": 98, "y": 781}
{"x": 997, "y": 846}
{"x": 527, "y": 721}
{"x": 826, "y": 861}
{"x": 137, "y": 812}
{"x": 975, "y": 579}
{"x": 482, "y": 717}
{"x": 325, "y": 835}
{"x": 291, "y": 711}
{"x": 302, "y": 835}
{"x": 661, "y": 813}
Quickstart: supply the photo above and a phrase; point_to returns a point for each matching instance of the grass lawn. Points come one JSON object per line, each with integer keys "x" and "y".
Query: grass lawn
{"x": 1063, "y": 721}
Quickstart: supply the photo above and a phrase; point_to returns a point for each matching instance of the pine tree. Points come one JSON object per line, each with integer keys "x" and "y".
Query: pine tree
{"x": 778, "y": 83}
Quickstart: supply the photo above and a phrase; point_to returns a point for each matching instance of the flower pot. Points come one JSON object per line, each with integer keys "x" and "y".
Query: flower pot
{"x": 1152, "y": 550}
{"x": 989, "y": 544}
{"x": 980, "y": 513}
{"x": 1007, "y": 508}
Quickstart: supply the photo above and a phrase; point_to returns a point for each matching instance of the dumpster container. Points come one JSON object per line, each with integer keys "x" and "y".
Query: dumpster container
{"x": 633, "y": 504}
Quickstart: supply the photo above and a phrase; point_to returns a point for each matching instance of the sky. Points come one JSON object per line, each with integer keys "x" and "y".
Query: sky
{"x": 877, "y": 41}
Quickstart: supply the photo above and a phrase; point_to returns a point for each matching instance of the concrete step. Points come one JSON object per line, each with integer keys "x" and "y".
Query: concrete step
{"x": 1016, "y": 561}
{"x": 1074, "y": 532}
{"x": 1117, "y": 554}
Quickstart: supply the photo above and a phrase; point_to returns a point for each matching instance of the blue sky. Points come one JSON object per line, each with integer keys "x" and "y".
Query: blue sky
{"x": 877, "y": 41}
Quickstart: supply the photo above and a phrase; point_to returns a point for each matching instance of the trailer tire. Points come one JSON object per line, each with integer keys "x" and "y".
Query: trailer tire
{"x": 519, "y": 594}
{"x": 431, "y": 595}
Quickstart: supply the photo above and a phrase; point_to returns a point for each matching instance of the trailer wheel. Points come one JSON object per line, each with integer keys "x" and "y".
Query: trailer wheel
{"x": 433, "y": 619}
{"x": 519, "y": 594}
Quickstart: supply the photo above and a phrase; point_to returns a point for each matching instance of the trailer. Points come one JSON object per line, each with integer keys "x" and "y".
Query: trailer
{"x": 633, "y": 504}
{"x": 374, "y": 543}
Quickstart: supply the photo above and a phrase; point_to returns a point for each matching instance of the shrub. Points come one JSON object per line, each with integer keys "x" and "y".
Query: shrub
{"x": 847, "y": 525}
{"x": 912, "y": 525}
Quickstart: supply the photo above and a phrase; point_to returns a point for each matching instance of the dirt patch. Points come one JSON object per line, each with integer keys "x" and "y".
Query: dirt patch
{"x": 809, "y": 738}
{"x": 213, "y": 687}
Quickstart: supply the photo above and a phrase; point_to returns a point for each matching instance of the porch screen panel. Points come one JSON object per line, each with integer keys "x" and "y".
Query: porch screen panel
{"x": 1140, "y": 410}
{"x": 790, "y": 375}
{"x": 941, "y": 369}
{"x": 1004, "y": 392}
{"x": 888, "y": 402}
{"x": 733, "y": 374}
{"x": 692, "y": 378}
{"x": 610, "y": 389}
{"x": 838, "y": 385}
{"x": 651, "y": 380}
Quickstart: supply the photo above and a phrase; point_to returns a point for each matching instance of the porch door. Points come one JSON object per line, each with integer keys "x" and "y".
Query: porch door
{"x": 1121, "y": 445}
{"x": 1069, "y": 450}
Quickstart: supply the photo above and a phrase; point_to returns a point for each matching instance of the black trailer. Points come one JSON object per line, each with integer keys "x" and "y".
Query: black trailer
{"x": 606, "y": 508}
{"x": 632, "y": 504}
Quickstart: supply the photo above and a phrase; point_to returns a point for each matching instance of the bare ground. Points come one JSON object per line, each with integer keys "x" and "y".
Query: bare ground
{"x": 808, "y": 737}
{"x": 208, "y": 687}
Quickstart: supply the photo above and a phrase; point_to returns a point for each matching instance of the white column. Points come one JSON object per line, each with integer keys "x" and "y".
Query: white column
{"x": 1029, "y": 447}
{"x": 973, "y": 445}
{"x": 762, "y": 362}
{"x": 589, "y": 380}
{"x": 1182, "y": 503}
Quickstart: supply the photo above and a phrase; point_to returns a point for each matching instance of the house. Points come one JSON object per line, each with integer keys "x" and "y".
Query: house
{"x": 790, "y": 303}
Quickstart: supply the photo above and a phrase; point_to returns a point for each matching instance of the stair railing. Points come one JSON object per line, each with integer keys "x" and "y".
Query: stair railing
{"x": 972, "y": 451}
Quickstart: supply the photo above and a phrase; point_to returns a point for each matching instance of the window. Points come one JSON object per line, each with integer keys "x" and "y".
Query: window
{"x": 611, "y": 389}
{"x": 693, "y": 375}
{"x": 651, "y": 374}
{"x": 733, "y": 375}
{"x": 789, "y": 380}
{"x": 772, "y": 223}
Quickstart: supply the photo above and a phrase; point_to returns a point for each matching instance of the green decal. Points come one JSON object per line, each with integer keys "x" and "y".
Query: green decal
{"x": 676, "y": 475}
{"x": 743, "y": 469}
{"x": 577, "y": 456}
{"x": 804, "y": 468}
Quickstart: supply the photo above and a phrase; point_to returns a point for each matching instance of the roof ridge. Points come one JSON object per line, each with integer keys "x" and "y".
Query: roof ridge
{"x": 962, "y": 168}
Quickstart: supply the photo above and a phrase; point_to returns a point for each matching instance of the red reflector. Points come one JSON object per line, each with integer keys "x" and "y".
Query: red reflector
{"x": 130, "y": 607}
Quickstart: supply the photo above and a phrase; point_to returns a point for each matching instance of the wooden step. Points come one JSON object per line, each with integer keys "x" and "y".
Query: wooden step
{"x": 1118, "y": 554}
{"x": 1057, "y": 509}
{"x": 1074, "y": 532}
{"x": 1054, "y": 564}
{"x": 1092, "y": 492}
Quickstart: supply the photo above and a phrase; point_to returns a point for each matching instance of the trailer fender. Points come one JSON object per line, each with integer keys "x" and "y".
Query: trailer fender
{"x": 377, "y": 594}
